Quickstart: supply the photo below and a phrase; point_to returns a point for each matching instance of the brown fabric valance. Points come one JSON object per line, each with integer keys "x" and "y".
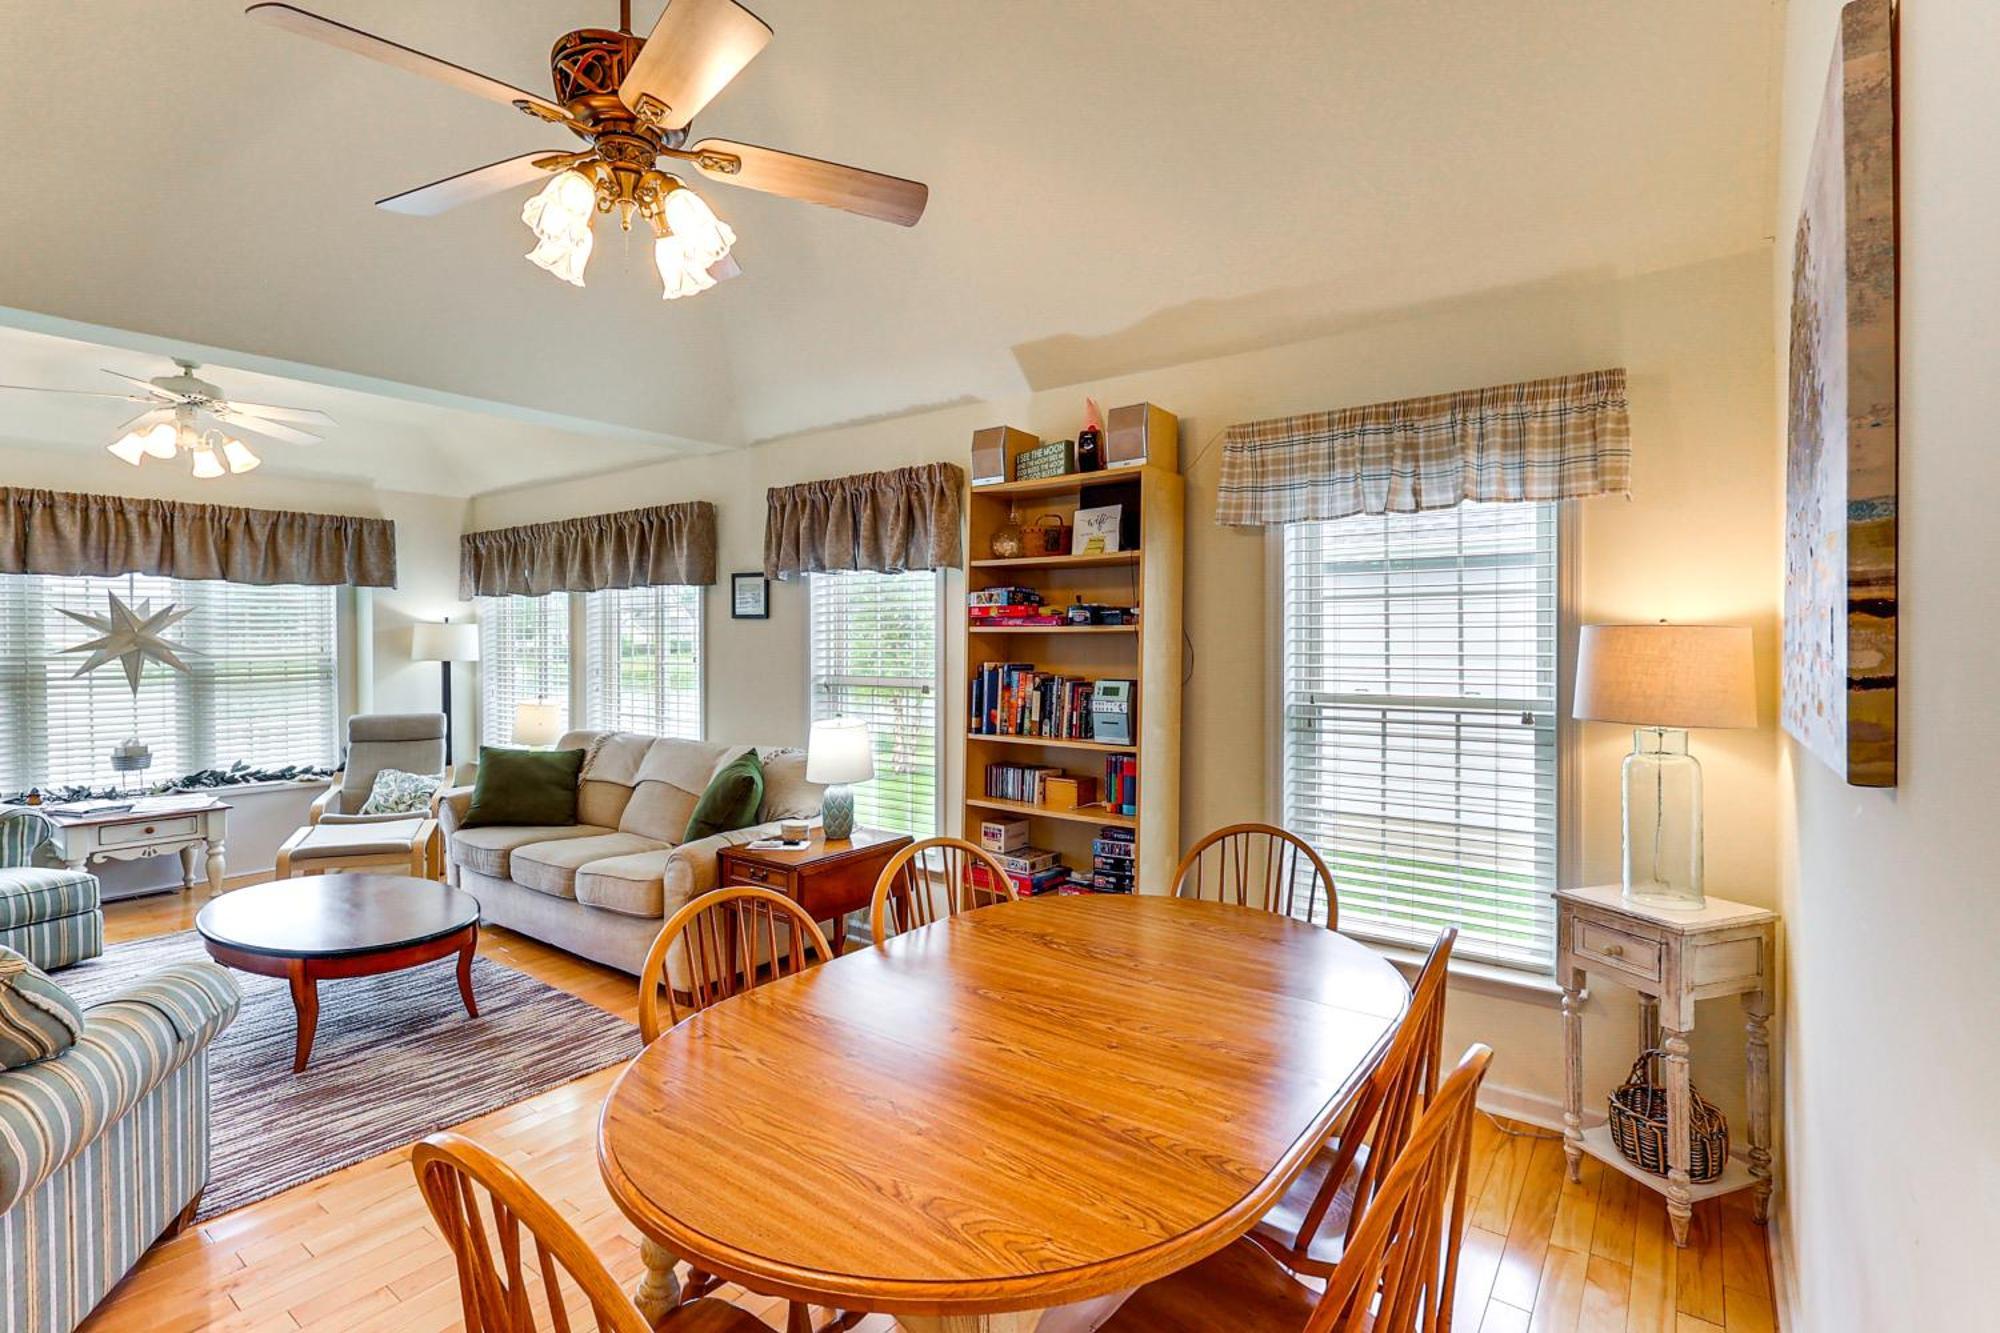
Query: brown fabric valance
{"x": 59, "y": 532}
{"x": 637, "y": 548}
{"x": 885, "y": 521}
{"x": 1553, "y": 439}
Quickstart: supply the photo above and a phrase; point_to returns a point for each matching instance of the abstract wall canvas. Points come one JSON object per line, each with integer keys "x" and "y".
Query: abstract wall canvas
{"x": 1839, "y": 671}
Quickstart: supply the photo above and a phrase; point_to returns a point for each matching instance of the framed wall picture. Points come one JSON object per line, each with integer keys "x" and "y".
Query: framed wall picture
{"x": 749, "y": 597}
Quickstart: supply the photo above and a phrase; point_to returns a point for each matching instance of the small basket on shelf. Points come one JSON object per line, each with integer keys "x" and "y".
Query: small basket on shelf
{"x": 1639, "y": 1124}
{"x": 1049, "y": 535}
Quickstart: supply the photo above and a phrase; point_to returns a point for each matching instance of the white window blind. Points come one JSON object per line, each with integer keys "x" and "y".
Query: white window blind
{"x": 875, "y": 657}
{"x": 644, "y": 651}
{"x": 262, "y": 686}
{"x": 523, "y": 658}
{"x": 1419, "y": 719}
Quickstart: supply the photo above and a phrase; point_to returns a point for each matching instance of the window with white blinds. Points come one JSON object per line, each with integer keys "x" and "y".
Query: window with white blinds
{"x": 523, "y": 658}
{"x": 875, "y": 657}
{"x": 1419, "y": 700}
{"x": 644, "y": 654}
{"x": 262, "y": 686}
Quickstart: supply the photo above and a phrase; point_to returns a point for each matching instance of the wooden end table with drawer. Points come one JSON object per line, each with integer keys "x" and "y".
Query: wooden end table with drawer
{"x": 193, "y": 825}
{"x": 828, "y": 879}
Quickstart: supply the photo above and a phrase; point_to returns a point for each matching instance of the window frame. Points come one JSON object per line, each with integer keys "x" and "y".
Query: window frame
{"x": 1540, "y": 981}
{"x": 584, "y": 665}
{"x": 943, "y": 749}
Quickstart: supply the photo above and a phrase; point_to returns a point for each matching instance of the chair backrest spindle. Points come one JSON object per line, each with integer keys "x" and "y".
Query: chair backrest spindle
{"x": 1259, "y": 865}
{"x": 732, "y": 939}
{"x": 934, "y": 879}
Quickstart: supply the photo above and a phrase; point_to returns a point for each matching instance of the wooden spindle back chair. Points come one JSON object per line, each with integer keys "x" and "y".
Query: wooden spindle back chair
{"x": 1259, "y": 865}
{"x": 732, "y": 939}
{"x": 1400, "y": 1269}
{"x": 1311, "y": 1227}
{"x": 933, "y": 879}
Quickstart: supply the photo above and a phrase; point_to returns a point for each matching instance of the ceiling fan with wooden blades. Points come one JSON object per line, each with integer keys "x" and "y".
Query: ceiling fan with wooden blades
{"x": 631, "y": 100}
{"x": 180, "y": 410}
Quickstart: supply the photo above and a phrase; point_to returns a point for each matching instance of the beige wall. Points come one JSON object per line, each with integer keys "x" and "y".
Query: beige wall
{"x": 1689, "y": 545}
{"x": 1892, "y": 1194}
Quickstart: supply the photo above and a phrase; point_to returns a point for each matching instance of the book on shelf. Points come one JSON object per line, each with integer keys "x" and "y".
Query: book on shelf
{"x": 1121, "y": 783}
{"x": 1014, "y": 699}
{"x": 1018, "y": 782}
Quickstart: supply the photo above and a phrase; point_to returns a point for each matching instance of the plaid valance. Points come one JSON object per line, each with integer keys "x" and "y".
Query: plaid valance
{"x": 886, "y": 521}
{"x": 1553, "y": 439}
{"x": 636, "y": 548}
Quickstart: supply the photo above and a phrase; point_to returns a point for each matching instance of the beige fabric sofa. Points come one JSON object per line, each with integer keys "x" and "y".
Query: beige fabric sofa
{"x": 602, "y": 887}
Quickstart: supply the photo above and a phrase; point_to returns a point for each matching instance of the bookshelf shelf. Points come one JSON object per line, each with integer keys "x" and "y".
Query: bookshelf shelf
{"x": 1148, "y": 654}
{"x": 1097, "y": 815}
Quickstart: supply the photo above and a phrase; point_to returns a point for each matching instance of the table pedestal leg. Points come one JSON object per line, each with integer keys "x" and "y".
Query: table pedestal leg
{"x": 305, "y": 1000}
{"x": 660, "y": 1290}
{"x": 1757, "y": 1053}
{"x": 1013, "y": 1321}
{"x": 1680, "y": 1198}
{"x": 1572, "y": 1006}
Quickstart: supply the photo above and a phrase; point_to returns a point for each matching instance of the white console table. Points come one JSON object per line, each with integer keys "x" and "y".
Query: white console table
{"x": 1672, "y": 959}
{"x": 195, "y": 827}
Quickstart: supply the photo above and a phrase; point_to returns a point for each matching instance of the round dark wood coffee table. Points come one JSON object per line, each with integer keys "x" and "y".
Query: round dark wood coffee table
{"x": 325, "y": 927}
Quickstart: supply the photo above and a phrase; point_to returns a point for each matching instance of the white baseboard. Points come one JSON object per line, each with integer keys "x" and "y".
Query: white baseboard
{"x": 1529, "y": 1107}
{"x": 1784, "y": 1276}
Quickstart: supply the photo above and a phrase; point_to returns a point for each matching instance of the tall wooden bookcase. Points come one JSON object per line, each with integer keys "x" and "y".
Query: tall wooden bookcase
{"x": 1148, "y": 653}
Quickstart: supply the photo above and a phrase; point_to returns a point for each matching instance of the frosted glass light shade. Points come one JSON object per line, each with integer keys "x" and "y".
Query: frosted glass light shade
{"x": 560, "y": 216}
{"x": 128, "y": 448}
{"x": 206, "y": 465}
{"x": 840, "y": 751}
{"x": 704, "y": 236}
{"x": 238, "y": 455}
{"x": 1666, "y": 675}
{"x": 537, "y": 723}
{"x": 448, "y": 642}
{"x": 680, "y": 274}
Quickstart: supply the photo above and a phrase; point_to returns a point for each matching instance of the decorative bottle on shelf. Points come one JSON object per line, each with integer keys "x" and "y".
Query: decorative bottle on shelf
{"x": 1009, "y": 541}
{"x": 1090, "y": 440}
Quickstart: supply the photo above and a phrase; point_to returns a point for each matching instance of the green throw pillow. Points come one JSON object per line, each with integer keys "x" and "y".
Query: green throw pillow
{"x": 732, "y": 798}
{"x": 37, "y": 1017}
{"x": 525, "y": 787}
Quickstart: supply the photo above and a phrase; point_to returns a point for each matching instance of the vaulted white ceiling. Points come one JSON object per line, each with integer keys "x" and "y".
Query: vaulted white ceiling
{"x": 1115, "y": 184}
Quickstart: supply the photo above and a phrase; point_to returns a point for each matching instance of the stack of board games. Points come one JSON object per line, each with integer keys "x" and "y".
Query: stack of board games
{"x": 999, "y": 608}
{"x": 1003, "y": 835}
{"x": 1111, "y": 861}
{"x": 1033, "y": 870}
{"x": 1014, "y": 699}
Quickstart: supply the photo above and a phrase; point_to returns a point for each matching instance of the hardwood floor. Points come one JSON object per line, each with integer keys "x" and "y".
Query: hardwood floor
{"x": 356, "y": 1251}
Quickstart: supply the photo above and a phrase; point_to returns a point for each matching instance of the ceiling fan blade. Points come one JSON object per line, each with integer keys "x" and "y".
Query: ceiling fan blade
{"x": 293, "y": 19}
{"x": 307, "y": 416}
{"x": 427, "y": 201}
{"x": 153, "y": 391}
{"x": 87, "y": 393}
{"x": 695, "y": 49}
{"x": 869, "y": 193}
{"x": 259, "y": 426}
{"x": 145, "y": 419}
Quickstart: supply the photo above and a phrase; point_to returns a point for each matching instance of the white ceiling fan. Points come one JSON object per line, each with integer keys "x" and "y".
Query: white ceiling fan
{"x": 185, "y": 414}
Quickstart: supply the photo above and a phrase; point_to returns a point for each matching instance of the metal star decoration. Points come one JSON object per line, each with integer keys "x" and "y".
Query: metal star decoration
{"x": 131, "y": 637}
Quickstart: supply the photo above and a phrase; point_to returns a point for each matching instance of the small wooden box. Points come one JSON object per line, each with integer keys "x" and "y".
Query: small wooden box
{"x": 1140, "y": 434}
{"x": 1068, "y": 793}
{"x": 994, "y": 451}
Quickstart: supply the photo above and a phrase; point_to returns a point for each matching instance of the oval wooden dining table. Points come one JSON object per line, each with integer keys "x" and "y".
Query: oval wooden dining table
{"x": 1034, "y": 1105}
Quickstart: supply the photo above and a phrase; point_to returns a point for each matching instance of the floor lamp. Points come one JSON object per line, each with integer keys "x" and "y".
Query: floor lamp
{"x": 445, "y": 644}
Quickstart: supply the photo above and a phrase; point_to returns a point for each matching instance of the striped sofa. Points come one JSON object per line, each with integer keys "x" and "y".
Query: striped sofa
{"x": 104, "y": 1148}
{"x": 49, "y": 914}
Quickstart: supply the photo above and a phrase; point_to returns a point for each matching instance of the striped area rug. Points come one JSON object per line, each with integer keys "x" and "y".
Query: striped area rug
{"x": 395, "y": 1058}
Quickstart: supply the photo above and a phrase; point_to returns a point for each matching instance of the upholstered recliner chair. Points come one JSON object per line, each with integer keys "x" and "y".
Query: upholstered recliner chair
{"x": 409, "y": 742}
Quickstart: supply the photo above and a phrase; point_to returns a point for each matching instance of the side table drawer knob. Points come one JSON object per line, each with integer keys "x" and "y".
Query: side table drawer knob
{"x": 1614, "y": 951}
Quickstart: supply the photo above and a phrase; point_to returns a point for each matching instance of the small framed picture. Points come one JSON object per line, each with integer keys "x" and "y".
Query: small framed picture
{"x": 749, "y": 597}
{"x": 1096, "y": 530}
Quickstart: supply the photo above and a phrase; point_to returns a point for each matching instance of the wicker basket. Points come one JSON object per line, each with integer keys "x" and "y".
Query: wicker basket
{"x": 1639, "y": 1125}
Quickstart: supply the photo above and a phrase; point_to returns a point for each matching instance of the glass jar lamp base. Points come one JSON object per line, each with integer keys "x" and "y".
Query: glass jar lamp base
{"x": 1662, "y": 821}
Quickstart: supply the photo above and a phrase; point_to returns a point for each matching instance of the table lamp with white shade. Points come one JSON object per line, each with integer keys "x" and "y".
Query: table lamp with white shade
{"x": 537, "y": 723}
{"x": 839, "y": 754}
{"x": 1664, "y": 679}
{"x": 444, "y": 644}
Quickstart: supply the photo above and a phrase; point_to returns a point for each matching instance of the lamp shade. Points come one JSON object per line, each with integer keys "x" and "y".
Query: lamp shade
{"x": 839, "y": 751}
{"x": 537, "y": 723}
{"x": 445, "y": 643}
{"x": 1666, "y": 676}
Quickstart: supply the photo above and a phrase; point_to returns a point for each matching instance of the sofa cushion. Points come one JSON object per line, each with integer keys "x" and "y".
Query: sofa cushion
{"x": 550, "y": 867}
{"x": 731, "y": 799}
{"x": 37, "y": 1017}
{"x": 28, "y": 896}
{"x": 610, "y": 756}
{"x": 490, "y": 850}
{"x": 659, "y": 810}
{"x": 535, "y": 787}
{"x": 671, "y": 781}
{"x": 633, "y": 885}
{"x": 378, "y": 838}
{"x": 787, "y": 794}
{"x": 600, "y": 802}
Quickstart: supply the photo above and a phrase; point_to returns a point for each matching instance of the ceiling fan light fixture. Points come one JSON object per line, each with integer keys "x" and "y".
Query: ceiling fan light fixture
{"x": 560, "y": 215}
{"x": 206, "y": 465}
{"x": 162, "y": 441}
{"x": 680, "y": 273}
{"x": 705, "y": 237}
{"x": 129, "y": 447}
{"x": 238, "y": 455}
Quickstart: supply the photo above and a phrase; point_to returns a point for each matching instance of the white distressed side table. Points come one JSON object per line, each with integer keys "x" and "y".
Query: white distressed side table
{"x": 1672, "y": 959}
{"x": 195, "y": 827}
